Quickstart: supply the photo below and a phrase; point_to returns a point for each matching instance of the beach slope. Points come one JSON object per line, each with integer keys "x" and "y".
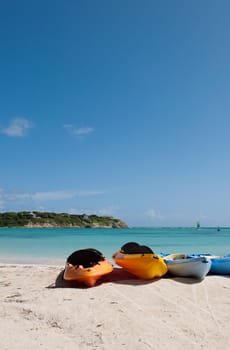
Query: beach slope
{"x": 41, "y": 311}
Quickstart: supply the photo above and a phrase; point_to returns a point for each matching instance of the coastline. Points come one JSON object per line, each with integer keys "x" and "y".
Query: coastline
{"x": 36, "y": 219}
{"x": 39, "y": 310}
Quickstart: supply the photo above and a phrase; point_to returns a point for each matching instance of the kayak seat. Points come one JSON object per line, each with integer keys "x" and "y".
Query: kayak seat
{"x": 135, "y": 248}
{"x": 86, "y": 257}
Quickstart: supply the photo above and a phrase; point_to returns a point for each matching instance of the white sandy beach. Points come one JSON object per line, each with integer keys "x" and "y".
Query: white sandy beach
{"x": 40, "y": 311}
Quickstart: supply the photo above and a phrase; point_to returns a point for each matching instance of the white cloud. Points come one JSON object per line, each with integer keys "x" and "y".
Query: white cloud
{"x": 153, "y": 214}
{"x": 107, "y": 211}
{"x": 18, "y": 127}
{"x": 52, "y": 196}
{"x": 60, "y": 195}
{"x": 15, "y": 197}
{"x": 100, "y": 212}
{"x": 78, "y": 131}
{"x": 88, "y": 193}
{"x": 2, "y": 205}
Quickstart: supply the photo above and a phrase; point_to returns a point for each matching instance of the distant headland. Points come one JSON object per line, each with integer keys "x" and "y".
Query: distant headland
{"x": 35, "y": 219}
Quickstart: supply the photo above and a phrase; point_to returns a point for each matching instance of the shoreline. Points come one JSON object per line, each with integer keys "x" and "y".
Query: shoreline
{"x": 44, "y": 261}
{"x": 39, "y": 310}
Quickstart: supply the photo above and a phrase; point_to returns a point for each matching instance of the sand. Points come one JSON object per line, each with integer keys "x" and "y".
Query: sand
{"x": 38, "y": 310}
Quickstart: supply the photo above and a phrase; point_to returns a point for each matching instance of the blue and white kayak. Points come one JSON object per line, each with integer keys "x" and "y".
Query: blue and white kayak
{"x": 182, "y": 265}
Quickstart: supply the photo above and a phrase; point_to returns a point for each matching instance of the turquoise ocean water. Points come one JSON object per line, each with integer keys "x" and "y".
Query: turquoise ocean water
{"x": 52, "y": 246}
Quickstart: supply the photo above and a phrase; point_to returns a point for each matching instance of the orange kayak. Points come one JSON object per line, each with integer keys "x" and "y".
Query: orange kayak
{"x": 86, "y": 266}
{"x": 140, "y": 261}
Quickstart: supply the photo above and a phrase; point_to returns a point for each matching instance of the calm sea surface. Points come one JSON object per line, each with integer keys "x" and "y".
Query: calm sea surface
{"x": 52, "y": 246}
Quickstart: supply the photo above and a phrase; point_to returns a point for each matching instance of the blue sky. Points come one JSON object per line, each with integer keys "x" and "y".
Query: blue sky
{"x": 118, "y": 108}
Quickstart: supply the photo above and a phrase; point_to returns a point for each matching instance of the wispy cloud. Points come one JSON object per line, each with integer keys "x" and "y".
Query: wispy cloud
{"x": 18, "y": 127}
{"x": 15, "y": 197}
{"x": 153, "y": 214}
{"x": 78, "y": 131}
{"x": 100, "y": 212}
{"x": 88, "y": 193}
{"x": 1, "y": 199}
{"x": 52, "y": 196}
{"x": 61, "y": 195}
{"x": 110, "y": 211}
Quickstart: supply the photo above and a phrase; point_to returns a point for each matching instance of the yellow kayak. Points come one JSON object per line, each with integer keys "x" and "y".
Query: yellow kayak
{"x": 140, "y": 261}
{"x": 86, "y": 266}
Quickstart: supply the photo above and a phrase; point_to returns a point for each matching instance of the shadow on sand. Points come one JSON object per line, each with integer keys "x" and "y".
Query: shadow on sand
{"x": 118, "y": 276}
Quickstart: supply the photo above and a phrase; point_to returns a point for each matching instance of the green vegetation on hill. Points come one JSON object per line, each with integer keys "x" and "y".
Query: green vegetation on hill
{"x": 47, "y": 219}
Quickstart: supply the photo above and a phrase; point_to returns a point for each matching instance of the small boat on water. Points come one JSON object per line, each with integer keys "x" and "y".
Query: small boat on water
{"x": 182, "y": 265}
{"x": 197, "y": 225}
{"x": 86, "y": 266}
{"x": 140, "y": 261}
{"x": 220, "y": 265}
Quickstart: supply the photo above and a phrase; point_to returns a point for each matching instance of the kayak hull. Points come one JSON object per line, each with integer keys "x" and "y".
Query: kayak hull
{"x": 220, "y": 265}
{"x": 144, "y": 266}
{"x": 87, "y": 275}
{"x": 183, "y": 266}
